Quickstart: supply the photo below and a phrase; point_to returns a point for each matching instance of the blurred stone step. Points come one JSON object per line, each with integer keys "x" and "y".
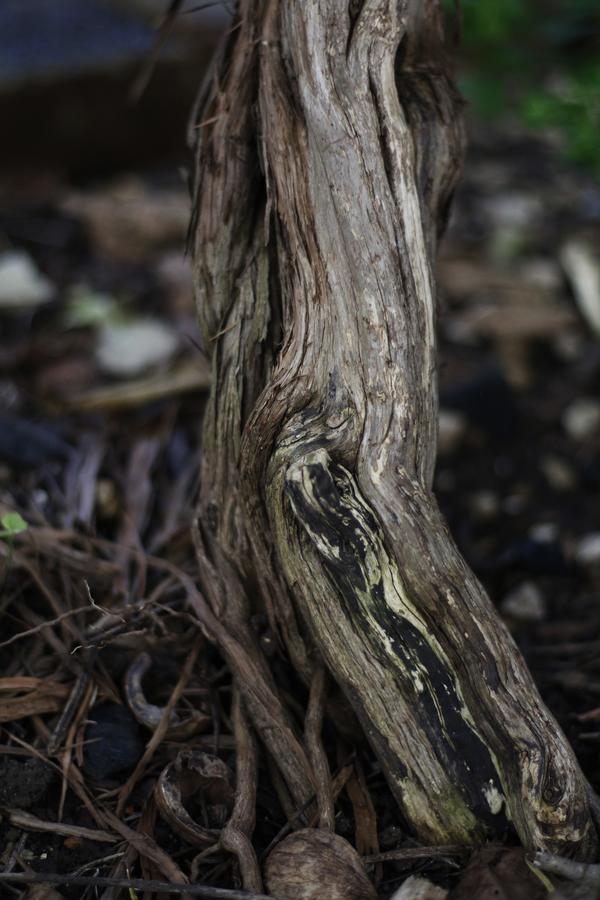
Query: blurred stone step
{"x": 66, "y": 72}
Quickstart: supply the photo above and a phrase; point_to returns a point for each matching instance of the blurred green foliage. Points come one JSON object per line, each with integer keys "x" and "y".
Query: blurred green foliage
{"x": 539, "y": 60}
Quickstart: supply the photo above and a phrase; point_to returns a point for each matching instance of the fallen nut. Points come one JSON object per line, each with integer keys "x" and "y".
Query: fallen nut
{"x": 190, "y": 773}
{"x": 314, "y": 863}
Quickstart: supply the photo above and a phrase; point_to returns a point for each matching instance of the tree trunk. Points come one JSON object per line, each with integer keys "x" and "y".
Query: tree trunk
{"x": 329, "y": 143}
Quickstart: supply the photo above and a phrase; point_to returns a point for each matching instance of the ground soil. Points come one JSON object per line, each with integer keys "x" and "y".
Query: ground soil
{"x": 106, "y": 489}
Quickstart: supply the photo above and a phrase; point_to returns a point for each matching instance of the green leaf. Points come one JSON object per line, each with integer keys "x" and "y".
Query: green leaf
{"x": 87, "y": 308}
{"x": 13, "y": 523}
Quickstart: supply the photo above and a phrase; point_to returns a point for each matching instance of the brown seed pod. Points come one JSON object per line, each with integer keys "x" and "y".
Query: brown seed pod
{"x": 42, "y": 892}
{"x": 312, "y": 864}
{"x": 191, "y": 772}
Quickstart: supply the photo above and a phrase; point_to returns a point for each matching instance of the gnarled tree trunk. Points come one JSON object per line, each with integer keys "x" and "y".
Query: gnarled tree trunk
{"x": 329, "y": 142}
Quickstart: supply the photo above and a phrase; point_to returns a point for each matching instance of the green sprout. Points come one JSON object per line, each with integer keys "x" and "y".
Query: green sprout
{"x": 12, "y": 524}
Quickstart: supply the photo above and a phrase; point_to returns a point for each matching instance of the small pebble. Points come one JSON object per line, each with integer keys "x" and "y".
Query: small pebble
{"x": 107, "y": 498}
{"x": 128, "y": 349}
{"x": 175, "y": 273}
{"x": 40, "y": 499}
{"x": 10, "y": 398}
{"x": 525, "y": 603}
{"x": 452, "y": 426}
{"x": 22, "y": 285}
{"x": 417, "y": 888}
{"x": 544, "y": 532}
{"x": 484, "y": 504}
{"x": 542, "y": 272}
{"x": 114, "y": 741}
{"x": 587, "y": 552}
{"x": 510, "y": 209}
{"x": 559, "y": 475}
{"x": 459, "y": 329}
{"x": 582, "y": 418}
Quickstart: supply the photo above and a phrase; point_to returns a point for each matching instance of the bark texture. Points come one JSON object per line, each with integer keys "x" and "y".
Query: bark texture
{"x": 329, "y": 143}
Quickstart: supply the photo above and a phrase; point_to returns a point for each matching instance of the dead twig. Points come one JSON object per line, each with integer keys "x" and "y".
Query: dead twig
{"x": 316, "y": 752}
{"x": 147, "y": 847}
{"x": 236, "y": 834}
{"x": 21, "y": 819}
{"x": 190, "y": 377}
{"x": 366, "y": 838}
{"x": 163, "y": 725}
{"x": 49, "y": 624}
{"x": 568, "y": 868}
{"x": 30, "y": 705}
{"x": 79, "y": 715}
{"x": 416, "y": 853}
{"x": 338, "y": 782}
{"x": 150, "y": 715}
{"x": 71, "y": 706}
{"x": 136, "y": 884}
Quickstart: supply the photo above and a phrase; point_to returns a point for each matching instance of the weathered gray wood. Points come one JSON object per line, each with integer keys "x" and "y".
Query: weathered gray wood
{"x": 330, "y": 147}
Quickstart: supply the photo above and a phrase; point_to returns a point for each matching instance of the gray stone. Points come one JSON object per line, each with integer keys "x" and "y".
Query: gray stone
{"x": 544, "y": 532}
{"x": 587, "y": 551}
{"x": 22, "y": 285}
{"x": 525, "y": 603}
{"x": 417, "y": 888}
{"x": 582, "y": 418}
{"x": 559, "y": 474}
{"x": 125, "y": 350}
{"x": 452, "y": 427}
{"x": 484, "y": 504}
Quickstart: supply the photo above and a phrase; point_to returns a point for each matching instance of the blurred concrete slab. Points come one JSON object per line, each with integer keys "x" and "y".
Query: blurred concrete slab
{"x": 66, "y": 71}
{"x": 41, "y": 40}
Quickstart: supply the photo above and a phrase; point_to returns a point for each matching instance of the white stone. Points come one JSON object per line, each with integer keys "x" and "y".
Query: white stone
{"x": 542, "y": 272}
{"x": 484, "y": 504}
{"x": 525, "y": 603}
{"x": 512, "y": 210}
{"x": 544, "y": 532}
{"x": 417, "y": 888}
{"x": 582, "y": 418}
{"x": 587, "y": 552}
{"x": 22, "y": 285}
{"x": 452, "y": 426}
{"x": 558, "y": 473}
{"x": 127, "y": 349}
{"x": 582, "y": 268}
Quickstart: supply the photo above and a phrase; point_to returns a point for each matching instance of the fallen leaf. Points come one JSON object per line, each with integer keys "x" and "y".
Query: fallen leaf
{"x": 498, "y": 873}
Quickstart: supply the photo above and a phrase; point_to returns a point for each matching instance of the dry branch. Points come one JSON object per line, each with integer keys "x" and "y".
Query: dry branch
{"x": 135, "y": 884}
{"x": 330, "y": 146}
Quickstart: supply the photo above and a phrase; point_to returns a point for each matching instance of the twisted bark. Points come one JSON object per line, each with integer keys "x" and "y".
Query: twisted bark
{"x": 330, "y": 140}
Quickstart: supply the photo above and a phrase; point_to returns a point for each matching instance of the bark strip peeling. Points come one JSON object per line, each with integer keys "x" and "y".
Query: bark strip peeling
{"x": 330, "y": 143}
